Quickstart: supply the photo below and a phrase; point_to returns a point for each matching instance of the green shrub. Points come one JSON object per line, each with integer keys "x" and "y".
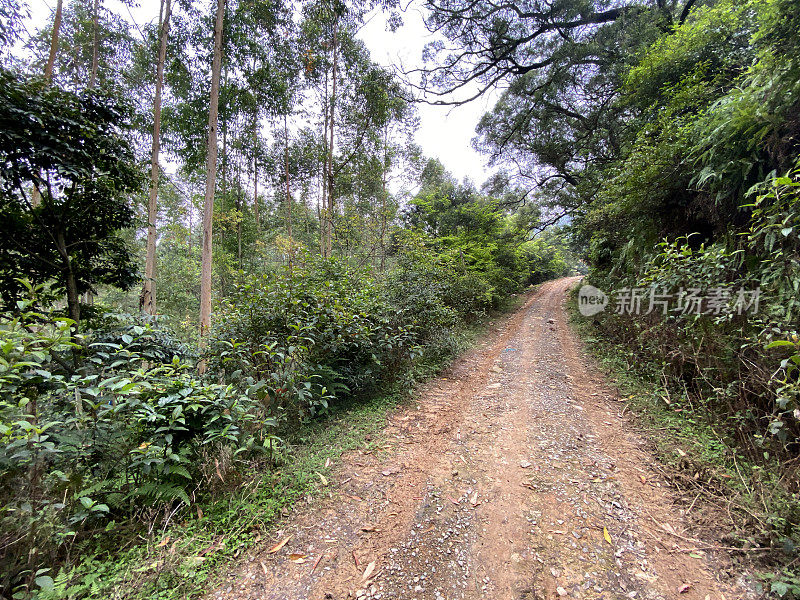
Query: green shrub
{"x": 308, "y": 334}
{"x": 92, "y": 432}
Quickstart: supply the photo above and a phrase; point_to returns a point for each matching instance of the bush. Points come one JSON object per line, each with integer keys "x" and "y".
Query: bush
{"x": 308, "y": 334}
{"x": 738, "y": 372}
{"x": 93, "y": 432}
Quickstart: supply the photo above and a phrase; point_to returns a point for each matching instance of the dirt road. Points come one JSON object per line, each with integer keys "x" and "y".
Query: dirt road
{"x": 513, "y": 476}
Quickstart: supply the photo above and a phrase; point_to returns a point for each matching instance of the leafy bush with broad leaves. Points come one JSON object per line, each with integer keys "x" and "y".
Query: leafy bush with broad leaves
{"x": 305, "y": 335}
{"x": 740, "y": 371}
{"x": 93, "y": 431}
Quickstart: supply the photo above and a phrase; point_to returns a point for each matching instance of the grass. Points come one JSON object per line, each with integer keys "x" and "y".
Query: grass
{"x": 701, "y": 459}
{"x": 185, "y": 558}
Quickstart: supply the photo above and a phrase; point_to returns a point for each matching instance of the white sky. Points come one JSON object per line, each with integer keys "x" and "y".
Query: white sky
{"x": 444, "y": 132}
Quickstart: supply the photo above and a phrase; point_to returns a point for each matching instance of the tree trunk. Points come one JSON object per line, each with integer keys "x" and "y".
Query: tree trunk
{"x": 329, "y": 220}
{"x": 211, "y": 180}
{"x": 239, "y": 212}
{"x": 147, "y": 301}
{"x": 323, "y": 210}
{"x": 36, "y": 196}
{"x": 70, "y": 283}
{"x": 288, "y": 191}
{"x": 255, "y": 194}
{"x": 95, "y": 27}
{"x": 383, "y": 197}
{"x": 51, "y": 60}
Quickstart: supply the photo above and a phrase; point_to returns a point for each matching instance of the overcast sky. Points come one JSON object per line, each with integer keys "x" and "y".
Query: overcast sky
{"x": 444, "y": 132}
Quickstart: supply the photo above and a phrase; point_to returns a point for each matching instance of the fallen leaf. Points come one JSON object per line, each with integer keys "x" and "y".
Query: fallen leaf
{"x": 696, "y": 555}
{"x": 681, "y": 452}
{"x": 212, "y": 548}
{"x": 316, "y": 562}
{"x": 199, "y": 512}
{"x": 279, "y": 545}
{"x": 297, "y": 558}
{"x": 322, "y": 479}
{"x": 368, "y": 571}
{"x": 668, "y": 528}
{"x": 682, "y": 589}
{"x": 355, "y": 559}
{"x": 607, "y": 536}
{"x": 163, "y": 542}
{"x": 263, "y": 568}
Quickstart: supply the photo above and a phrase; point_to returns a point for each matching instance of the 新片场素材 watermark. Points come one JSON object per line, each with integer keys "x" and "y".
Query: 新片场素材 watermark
{"x": 716, "y": 301}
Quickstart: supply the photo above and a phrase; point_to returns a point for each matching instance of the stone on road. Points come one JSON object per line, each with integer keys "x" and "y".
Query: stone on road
{"x": 512, "y": 476}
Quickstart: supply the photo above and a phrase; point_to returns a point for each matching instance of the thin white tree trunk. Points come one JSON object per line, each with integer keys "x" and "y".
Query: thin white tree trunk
{"x": 288, "y": 190}
{"x": 147, "y": 301}
{"x": 331, "y": 208}
{"x": 95, "y": 42}
{"x": 211, "y": 180}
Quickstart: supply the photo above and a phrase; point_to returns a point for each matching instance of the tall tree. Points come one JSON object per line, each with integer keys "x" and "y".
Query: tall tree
{"x": 36, "y": 195}
{"x": 51, "y": 59}
{"x": 561, "y": 66}
{"x": 211, "y": 178}
{"x": 95, "y": 41}
{"x": 147, "y": 300}
{"x": 73, "y": 148}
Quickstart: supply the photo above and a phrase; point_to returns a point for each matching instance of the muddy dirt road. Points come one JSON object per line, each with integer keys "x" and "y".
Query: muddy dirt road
{"x": 513, "y": 476}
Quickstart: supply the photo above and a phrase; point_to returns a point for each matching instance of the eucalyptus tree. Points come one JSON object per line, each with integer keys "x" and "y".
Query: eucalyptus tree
{"x": 147, "y": 300}
{"x": 85, "y": 45}
{"x": 359, "y": 101}
{"x": 211, "y": 179}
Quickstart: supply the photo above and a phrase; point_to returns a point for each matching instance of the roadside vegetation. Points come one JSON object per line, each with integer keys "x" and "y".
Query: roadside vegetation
{"x": 168, "y": 389}
{"x": 703, "y": 202}
{"x": 221, "y": 249}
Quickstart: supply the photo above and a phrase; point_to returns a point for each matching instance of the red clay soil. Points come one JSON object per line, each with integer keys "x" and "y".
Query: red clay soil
{"x": 513, "y": 476}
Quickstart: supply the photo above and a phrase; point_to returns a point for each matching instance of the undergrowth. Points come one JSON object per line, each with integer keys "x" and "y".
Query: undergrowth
{"x": 183, "y": 558}
{"x": 704, "y": 463}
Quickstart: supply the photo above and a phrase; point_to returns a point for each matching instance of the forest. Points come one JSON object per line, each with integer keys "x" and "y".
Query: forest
{"x": 225, "y": 258}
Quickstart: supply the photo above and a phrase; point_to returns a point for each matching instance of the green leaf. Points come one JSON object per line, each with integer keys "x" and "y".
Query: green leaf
{"x": 45, "y": 582}
{"x": 780, "y": 344}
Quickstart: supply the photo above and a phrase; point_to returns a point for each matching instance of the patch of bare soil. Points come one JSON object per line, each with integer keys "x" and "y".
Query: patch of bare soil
{"x": 513, "y": 476}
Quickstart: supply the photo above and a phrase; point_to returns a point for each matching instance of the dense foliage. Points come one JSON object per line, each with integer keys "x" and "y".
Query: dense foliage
{"x": 668, "y": 132}
{"x": 68, "y": 149}
{"x": 116, "y": 426}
